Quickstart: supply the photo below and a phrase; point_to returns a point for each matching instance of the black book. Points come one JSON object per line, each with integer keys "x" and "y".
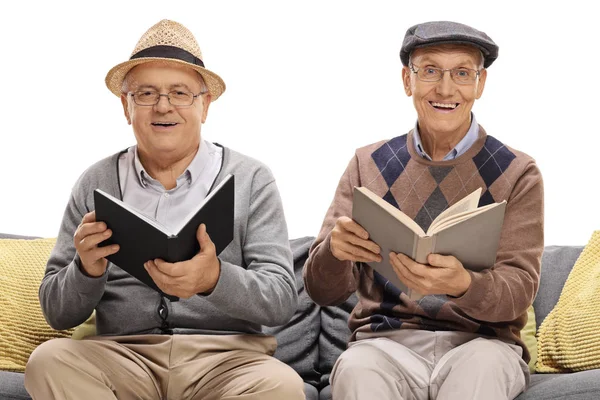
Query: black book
{"x": 142, "y": 239}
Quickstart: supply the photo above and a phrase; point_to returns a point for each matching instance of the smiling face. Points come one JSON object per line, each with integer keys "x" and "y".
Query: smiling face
{"x": 163, "y": 131}
{"x": 444, "y": 107}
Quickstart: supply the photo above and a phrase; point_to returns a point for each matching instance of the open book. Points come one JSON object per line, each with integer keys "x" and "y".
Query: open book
{"x": 142, "y": 238}
{"x": 469, "y": 233}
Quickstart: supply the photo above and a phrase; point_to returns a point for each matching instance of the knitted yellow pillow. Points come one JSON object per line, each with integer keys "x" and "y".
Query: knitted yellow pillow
{"x": 22, "y": 325}
{"x": 528, "y": 337}
{"x": 569, "y": 337}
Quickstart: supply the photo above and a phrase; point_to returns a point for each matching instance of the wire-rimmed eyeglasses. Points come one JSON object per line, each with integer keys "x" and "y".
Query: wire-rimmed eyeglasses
{"x": 177, "y": 98}
{"x": 461, "y": 76}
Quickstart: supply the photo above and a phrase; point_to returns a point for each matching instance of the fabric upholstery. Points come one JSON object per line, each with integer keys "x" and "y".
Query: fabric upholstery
{"x": 528, "y": 335}
{"x": 22, "y": 324}
{"x": 334, "y": 335}
{"x": 12, "y": 386}
{"x": 297, "y": 341}
{"x": 569, "y": 337}
{"x": 557, "y": 262}
{"x": 584, "y": 385}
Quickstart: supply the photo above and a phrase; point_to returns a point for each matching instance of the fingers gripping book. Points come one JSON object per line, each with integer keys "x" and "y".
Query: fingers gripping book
{"x": 464, "y": 230}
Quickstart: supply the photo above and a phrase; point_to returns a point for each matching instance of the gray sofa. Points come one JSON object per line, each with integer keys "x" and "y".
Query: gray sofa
{"x": 311, "y": 342}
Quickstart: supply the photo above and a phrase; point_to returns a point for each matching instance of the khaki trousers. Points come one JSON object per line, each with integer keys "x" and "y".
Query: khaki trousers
{"x": 161, "y": 367}
{"x": 423, "y": 365}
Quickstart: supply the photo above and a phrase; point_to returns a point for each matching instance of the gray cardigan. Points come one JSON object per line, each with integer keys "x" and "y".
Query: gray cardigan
{"x": 256, "y": 286}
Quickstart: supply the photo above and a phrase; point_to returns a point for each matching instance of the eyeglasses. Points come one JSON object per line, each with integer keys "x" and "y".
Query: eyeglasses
{"x": 177, "y": 98}
{"x": 461, "y": 76}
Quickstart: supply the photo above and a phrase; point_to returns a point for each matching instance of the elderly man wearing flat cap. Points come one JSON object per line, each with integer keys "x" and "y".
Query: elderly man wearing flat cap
{"x": 461, "y": 340}
{"x": 209, "y": 344}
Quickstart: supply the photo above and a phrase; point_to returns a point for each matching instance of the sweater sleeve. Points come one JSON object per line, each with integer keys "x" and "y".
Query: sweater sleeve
{"x": 68, "y": 296}
{"x": 505, "y": 291}
{"x": 328, "y": 280}
{"x": 265, "y": 291}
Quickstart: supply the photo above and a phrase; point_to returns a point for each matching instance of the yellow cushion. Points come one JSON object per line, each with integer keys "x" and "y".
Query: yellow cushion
{"x": 88, "y": 328}
{"x": 528, "y": 336}
{"x": 569, "y": 337}
{"x": 22, "y": 325}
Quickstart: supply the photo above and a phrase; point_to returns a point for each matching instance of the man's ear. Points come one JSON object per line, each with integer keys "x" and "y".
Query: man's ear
{"x": 481, "y": 83}
{"x": 125, "y": 107}
{"x": 406, "y": 81}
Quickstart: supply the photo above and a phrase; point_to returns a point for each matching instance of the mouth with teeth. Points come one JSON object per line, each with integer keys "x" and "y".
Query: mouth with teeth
{"x": 444, "y": 106}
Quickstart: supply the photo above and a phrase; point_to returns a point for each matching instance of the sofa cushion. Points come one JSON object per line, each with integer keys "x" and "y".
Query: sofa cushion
{"x": 334, "y": 336}
{"x": 528, "y": 335}
{"x": 297, "y": 341}
{"x": 569, "y": 335}
{"x": 12, "y": 386}
{"x": 557, "y": 262}
{"x": 22, "y": 324}
{"x": 583, "y": 385}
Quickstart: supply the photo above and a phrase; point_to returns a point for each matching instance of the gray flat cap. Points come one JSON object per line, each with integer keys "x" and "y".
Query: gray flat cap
{"x": 441, "y": 32}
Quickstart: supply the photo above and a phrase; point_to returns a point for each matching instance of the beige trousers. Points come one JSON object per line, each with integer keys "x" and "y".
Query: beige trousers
{"x": 423, "y": 365}
{"x": 161, "y": 367}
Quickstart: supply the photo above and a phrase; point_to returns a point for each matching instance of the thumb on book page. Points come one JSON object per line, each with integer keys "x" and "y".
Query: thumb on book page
{"x": 203, "y": 238}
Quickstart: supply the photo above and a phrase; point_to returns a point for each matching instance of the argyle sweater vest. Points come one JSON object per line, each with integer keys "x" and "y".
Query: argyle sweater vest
{"x": 495, "y": 304}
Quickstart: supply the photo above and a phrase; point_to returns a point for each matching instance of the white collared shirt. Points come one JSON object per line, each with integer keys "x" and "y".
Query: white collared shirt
{"x": 169, "y": 207}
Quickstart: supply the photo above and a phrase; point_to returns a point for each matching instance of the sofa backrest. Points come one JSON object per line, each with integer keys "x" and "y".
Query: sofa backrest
{"x": 557, "y": 262}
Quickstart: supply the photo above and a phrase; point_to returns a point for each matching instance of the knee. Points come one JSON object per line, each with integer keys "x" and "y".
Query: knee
{"x": 45, "y": 359}
{"x": 487, "y": 355}
{"x": 285, "y": 383}
{"x": 356, "y": 361}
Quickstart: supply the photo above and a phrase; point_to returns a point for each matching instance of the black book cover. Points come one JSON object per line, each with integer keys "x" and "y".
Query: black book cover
{"x": 142, "y": 239}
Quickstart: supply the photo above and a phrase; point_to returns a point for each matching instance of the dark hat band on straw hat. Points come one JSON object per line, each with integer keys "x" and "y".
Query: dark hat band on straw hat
{"x": 173, "y": 52}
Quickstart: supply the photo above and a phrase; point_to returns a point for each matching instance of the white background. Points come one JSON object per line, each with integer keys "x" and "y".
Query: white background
{"x": 307, "y": 82}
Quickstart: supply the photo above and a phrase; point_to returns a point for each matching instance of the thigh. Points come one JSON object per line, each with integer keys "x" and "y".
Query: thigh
{"x": 380, "y": 368}
{"x": 94, "y": 367}
{"x": 485, "y": 368}
{"x": 240, "y": 374}
{"x": 224, "y": 367}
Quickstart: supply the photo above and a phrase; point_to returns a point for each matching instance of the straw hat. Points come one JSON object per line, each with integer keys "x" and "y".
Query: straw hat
{"x": 166, "y": 41}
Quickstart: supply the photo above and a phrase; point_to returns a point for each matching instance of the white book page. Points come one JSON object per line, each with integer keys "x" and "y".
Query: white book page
{"x": 457, "y": 218}
{"x": 137, "y": 212}
{"x": 465, "y": 205}
{"x": 399, "y": 215}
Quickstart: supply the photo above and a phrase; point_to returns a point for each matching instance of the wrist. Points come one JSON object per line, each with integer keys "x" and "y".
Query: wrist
{"x": 214, "y": 277}
{"x": 465, "y": 284}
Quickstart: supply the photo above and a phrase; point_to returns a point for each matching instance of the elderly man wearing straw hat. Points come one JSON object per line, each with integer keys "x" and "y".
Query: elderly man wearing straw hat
{"x": 461, "y": 340}
{"x": 209, "y": 344}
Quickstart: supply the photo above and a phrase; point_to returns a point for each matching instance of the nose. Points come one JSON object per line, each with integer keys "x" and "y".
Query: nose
{"x": 446, "y": 85}
{"x": 163, "y": 104}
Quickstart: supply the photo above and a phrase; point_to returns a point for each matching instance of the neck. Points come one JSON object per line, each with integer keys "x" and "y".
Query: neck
{"x": 166, "y": 168}
{"x": 438, "y": 143}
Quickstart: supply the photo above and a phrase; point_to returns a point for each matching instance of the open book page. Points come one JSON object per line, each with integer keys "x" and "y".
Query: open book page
{"x": 396, "y": 213}
{"x": 137, "y": 212}
{"x": 458, "y": 218}
{"x": 466, "y": 204}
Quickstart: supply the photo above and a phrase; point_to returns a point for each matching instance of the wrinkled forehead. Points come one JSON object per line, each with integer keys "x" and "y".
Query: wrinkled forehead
{"x": 162, "y": 72}
{"x": 445, "y": 54}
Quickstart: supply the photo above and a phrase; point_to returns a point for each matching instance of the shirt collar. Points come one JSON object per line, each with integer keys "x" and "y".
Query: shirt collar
{"x": 192, "y": 172}
{"x": 465, "y": 143}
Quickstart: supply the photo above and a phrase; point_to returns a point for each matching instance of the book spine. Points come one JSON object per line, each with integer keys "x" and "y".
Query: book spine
{"x": 422, "y": 248}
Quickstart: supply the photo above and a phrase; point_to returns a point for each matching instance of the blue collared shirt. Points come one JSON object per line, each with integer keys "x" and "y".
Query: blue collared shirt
{"x": 465, "y": 143}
